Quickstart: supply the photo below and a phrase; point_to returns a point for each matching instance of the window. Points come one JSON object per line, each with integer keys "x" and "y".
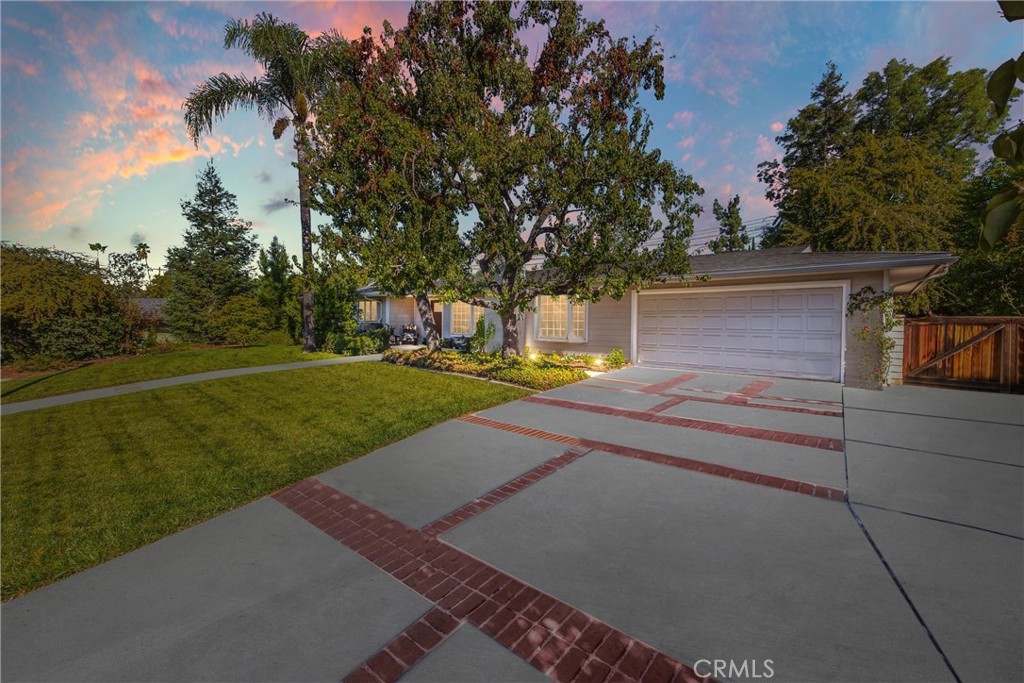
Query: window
{"x": 560, "y": 320}
{"x": 463, "y": 318}
{"x": 369, "y": 310}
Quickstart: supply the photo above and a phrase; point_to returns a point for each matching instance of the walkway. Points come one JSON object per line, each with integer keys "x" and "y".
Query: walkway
{"x": 106, "y": 392}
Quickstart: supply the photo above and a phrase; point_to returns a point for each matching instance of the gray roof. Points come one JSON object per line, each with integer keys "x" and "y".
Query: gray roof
{"x": 791, "y": 260}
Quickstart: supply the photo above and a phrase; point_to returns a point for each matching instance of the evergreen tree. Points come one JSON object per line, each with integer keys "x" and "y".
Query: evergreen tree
{"x": 882, "y": 168}
{"x": 215, "y": 262}
{"x": 732, "y": 236}
{"x": 277, "y": 288}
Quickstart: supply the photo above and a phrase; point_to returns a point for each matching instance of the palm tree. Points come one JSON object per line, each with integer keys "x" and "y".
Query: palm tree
{"x": 296, "y": 70}
{"x": 99, "y": 249}
{"x": 142, "y": 252}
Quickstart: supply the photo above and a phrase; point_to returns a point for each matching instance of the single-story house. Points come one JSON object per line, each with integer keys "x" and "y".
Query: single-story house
{"x": 777, "y": 312}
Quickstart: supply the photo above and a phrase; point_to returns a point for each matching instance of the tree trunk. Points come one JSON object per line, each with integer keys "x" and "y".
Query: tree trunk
{"x": 431, "y": 335}
{"x": 509, "y": 334}
{"x": 308, "y": 334}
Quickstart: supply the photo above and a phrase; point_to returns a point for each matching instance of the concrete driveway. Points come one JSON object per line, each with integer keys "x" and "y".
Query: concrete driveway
{"x": 648, "y": 525}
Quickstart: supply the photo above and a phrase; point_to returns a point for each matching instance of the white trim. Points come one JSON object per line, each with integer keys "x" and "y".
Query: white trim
{"x": 387, "y": 311}
{"x": 844, "y": 285}
{"x": 810, "y": 284}
{"x": 633, "y": 326}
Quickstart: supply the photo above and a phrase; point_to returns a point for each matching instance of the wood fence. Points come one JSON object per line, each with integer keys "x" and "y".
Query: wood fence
{"x": 965, "y": 352}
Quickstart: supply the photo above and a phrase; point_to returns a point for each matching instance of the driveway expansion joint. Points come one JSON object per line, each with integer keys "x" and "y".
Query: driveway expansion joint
{"x": 554, "y": 637}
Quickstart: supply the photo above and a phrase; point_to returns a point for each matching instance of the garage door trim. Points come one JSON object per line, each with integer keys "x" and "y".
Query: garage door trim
{"x": 843, "y": 285}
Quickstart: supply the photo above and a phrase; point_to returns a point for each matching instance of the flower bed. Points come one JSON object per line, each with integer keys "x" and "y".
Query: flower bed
{"x": 533, "y": 374}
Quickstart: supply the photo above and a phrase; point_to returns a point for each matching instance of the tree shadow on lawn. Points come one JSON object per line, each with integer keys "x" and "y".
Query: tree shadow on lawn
{"x": 5, "y": 394}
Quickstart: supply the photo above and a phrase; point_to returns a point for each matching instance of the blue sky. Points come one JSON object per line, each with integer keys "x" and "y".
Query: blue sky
{"x": 94, "y": 148}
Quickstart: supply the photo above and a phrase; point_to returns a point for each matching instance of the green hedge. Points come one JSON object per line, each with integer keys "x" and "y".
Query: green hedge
{"x": 517, "y": 371}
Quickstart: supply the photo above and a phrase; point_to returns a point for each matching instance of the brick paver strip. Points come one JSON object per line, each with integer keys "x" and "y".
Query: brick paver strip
{"x": 669, "y": 384}
{"x": 475, "y": 507}
{"x": 745, "y": 403}
{"x": 808, "y": 440}
{"x": 755, "y": 388}
{"x": 553, "y": 636}
{"x": 700, "y": 466}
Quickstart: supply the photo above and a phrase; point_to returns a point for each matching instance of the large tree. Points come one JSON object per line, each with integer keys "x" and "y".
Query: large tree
{"x": 923, "y": 123}
{"x": 215, "y": 262}
{"x": 732, "y": 235}
{"x": 376, "y": 170}
{"x": 547, "y": 154}
{"x": 295, "y": 70}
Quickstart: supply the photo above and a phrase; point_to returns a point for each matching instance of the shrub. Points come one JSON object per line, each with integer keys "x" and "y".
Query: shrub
{"x": 57, "y": 306}
{"x": 482, "y": 336}
{"x": 512, "y": 370}
{"x": 615, "y": 359}
{"x": 241, "y": 320}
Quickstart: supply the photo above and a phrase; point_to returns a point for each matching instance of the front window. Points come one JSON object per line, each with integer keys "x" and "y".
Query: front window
{"x": 463, "y": 318}
{"x": 560, "y": 320}
{"x": 369, "y": 310}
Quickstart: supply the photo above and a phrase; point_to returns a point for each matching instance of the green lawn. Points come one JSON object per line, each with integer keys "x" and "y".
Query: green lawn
{"x": 152, "y": 366}
{"x": 86, "y": 482}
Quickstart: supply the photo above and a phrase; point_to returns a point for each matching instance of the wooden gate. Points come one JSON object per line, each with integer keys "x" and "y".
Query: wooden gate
{"x": 965, "y": 352}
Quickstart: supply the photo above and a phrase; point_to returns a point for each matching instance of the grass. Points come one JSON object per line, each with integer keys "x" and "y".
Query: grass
{"x": 86, "y": 482}
{"x": 152, "y": 366}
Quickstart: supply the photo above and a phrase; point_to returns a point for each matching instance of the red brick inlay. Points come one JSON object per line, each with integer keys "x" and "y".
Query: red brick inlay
{"x": 474, "y": 508}
{"x": 808, "y": 440}
{"x": 783, "y": 483}
{"x": 669, "y": 384}
{"x": 563, "y": 642}
{"x": 754, "y": 388}
{"x": 761, "y": 406}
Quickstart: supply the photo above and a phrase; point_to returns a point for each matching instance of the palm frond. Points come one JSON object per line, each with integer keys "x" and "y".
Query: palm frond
{"x": 213, "y": 99}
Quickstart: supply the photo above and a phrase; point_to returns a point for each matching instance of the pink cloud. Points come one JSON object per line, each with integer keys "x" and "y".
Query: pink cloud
{"x": 686, "y": 143}
{"x": 681, "y": 118}
{"x": 765, "y": 149}
{"x": 777, "y": 127}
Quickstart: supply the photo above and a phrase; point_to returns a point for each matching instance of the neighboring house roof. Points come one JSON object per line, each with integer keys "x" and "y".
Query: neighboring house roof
{"x": 908, "y": 270}
{"x": 151, "y": 305}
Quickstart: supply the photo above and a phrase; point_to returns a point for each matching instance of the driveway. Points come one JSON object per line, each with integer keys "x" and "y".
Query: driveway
{"x": 645, "y": 525}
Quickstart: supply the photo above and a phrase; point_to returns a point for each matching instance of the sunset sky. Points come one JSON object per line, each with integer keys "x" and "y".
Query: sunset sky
{"x": 94, "y": 147}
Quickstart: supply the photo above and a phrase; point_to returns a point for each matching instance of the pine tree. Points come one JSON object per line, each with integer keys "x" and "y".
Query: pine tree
{"x": 732, "y": 236}
{"x": 215, "y": 262}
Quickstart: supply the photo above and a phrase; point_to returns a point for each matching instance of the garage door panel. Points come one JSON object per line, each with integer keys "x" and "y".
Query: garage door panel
{"x": 791, "y": 302}
{"x": 822, "y": 302}
{"x": 790, "y": 323}
{"x": 781, "y": 332}
{"x": 821, "y": 323}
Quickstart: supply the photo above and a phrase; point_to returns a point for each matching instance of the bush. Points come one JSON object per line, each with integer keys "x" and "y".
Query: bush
{"x": 518, "y": 371}
{"x": 364, "y": 343}
{"x": 615, "y": 359}
{"x": 482, "y": 336}
{"x": 56, "y": 306}
{"x": 241, "y": 320}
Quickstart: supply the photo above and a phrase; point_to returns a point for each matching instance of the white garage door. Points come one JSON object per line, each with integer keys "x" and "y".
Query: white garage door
{"x": 783, "y": 332}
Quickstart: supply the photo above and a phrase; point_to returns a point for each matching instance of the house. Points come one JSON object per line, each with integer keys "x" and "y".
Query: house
{"x": 777, "y": 312}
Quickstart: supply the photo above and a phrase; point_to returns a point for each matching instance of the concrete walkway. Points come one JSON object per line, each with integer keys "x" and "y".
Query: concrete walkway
{"x": 649, "y": 525}
{"x": 106, "y": 392}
